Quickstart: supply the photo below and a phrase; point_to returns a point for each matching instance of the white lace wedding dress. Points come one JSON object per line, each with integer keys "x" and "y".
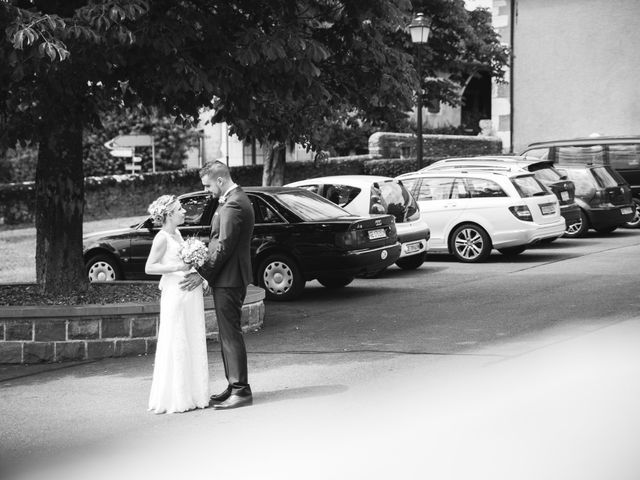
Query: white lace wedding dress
{"x": 181, "y": 370}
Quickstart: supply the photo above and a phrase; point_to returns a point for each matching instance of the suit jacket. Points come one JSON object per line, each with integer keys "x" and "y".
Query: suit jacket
{"x": 229, "y": 262}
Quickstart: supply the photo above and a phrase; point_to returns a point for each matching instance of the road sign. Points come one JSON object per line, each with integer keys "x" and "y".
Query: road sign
{"x": 132, "y": 141}
{"x": 127, "y": 143}
{"x": 121, "y": 152}
{"x": 134, "y": 166}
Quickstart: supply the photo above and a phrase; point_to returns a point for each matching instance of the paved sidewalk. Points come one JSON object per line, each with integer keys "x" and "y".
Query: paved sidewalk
{"x": 564, "y": 407}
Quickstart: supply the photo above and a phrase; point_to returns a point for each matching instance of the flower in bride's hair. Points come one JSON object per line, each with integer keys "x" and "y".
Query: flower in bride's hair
{"x": 160, "y": 207}
{"x": 193, "y": 252}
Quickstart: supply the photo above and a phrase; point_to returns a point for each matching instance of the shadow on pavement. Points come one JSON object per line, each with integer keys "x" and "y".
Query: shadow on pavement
{"x": 300, "y": 392}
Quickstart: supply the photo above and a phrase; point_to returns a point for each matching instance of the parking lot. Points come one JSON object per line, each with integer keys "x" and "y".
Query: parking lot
{"x": 523, "y": 368}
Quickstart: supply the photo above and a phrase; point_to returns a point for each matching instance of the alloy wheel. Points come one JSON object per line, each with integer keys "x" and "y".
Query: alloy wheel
{"x": 469, "y": 244}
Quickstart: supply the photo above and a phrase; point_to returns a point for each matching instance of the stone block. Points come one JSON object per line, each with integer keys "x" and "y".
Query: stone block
{"x": 100, "y": 349}
{"x": 10, "y": 352}
{"x": 210, "y": 321}
{"x": 151, "y": 345}
{"x": 128, "y": 347}
{"x": 143, "y": 327}
{"x": 19, "y": 330}
{"x": 65, "y": 351}
{"x": 84, "y": 329}
{"x": 37, "y": 352}
{"x": 116, "y": 327}
{"x": 50, "y": 330}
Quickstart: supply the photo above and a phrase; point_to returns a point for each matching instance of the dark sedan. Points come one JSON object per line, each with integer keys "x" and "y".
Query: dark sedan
{"x": 298, "y": 236}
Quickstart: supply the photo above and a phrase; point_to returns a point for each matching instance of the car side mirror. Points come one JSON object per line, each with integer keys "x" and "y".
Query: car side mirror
{"x": 148, "y": 223}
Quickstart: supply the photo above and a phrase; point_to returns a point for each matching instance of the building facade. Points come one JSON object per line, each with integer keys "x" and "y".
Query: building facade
{"x": 573, "y": 73}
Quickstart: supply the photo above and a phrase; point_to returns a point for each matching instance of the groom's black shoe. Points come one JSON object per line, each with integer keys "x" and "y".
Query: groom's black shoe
{"x": 221, "y": 397}
{"x": 234, "y": 401}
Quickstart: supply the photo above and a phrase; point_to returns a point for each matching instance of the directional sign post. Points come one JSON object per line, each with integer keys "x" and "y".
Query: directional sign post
{"x": 125, "y": 143}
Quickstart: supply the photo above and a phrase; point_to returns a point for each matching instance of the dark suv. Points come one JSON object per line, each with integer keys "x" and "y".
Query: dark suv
{"x": 603, "y": 196}
{"x": 622, "y": 153}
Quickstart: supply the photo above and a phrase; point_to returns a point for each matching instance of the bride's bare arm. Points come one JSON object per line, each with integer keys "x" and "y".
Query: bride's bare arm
{"x": 154, "y": 265}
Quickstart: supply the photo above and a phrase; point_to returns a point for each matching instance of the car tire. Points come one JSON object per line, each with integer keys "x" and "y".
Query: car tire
{"x": 280, "y": 277}
{"x": 635, "y": 221}
{"x": 335, "y": 282}
{"x": 578, "y": 229}
{"x": 606, "y": 230}
{"x": 412, "y": 262}
{"x": 103, "y": 268}
{"x": 512, "y": 251}
{"x": 470, "y": 243}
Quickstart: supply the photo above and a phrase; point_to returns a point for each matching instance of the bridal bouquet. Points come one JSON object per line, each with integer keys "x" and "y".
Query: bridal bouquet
{"x": 193, "y": 252}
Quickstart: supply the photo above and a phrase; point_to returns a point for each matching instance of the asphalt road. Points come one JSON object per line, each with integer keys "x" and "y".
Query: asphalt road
{"x": 524, "y": 369}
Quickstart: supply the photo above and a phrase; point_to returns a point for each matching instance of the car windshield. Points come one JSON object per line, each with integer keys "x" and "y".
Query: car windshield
{"x": 528, "y": 186}
{"x": 309, "y": 206}
{"x": 606, "y": 177}
{"x": 391, "y": 197}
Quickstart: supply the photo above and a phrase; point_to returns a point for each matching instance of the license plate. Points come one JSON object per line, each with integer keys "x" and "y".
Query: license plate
{"x": 412, "y": 247}
{"x": 377, "y": 233}
{"x": 564, "y": 196}
{"x": 547, "y": 209}
{"x": 626, "y": 210}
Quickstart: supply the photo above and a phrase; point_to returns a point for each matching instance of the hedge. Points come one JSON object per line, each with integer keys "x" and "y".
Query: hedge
{"x": 115, "y": 196}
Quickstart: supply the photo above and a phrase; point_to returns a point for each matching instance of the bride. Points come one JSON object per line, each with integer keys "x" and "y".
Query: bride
{"x": 181, "y": 370}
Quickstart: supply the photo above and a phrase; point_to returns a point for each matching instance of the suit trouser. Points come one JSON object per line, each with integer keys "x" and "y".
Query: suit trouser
{"x": 228, "y": 303}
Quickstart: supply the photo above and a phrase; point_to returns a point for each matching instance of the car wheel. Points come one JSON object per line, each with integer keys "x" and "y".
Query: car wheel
{"x": 470, "y": 243}
{"x": 579, "y": 228}
{"x": 335, "y": 282}
{"x": 103, "y": 268}
{"x": 280, "y": 277}
{"x": 412, "y": 262}
{"x": 606, "y": 230}
{"x": 512, "y": 251}
{"x": 635, "y": 221}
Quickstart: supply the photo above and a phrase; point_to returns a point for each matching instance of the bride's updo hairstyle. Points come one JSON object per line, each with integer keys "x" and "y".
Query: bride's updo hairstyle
{"x": 161, "y": 207}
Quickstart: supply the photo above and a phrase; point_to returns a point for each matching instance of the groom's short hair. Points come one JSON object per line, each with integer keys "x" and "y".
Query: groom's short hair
{"x": 215, "y": 169}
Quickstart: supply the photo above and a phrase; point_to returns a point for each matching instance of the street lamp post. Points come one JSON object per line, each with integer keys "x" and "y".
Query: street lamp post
{"x": 419, "y": 28}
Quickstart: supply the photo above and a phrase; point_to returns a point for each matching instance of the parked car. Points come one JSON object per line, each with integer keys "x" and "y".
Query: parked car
{"x": 543, "y": 170}
{"x": 367, "y": 195}
{"x": 298, "y": 236}
{"x": 604, "y": 198}
{"x": 472, "y": 212}
{"x": 621, "y": 152}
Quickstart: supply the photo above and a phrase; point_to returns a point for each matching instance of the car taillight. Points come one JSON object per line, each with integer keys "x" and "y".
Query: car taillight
{"x": 522, "y": 212}
{"x": 347, "y": 239}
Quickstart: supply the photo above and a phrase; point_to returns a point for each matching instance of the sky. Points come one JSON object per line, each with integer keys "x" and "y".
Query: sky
{"x": 473, "y": 4}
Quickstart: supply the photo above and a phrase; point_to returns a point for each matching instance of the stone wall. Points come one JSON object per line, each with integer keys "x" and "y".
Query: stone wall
{"x": 403, "y": 145}
{"x": 87, "y": 332}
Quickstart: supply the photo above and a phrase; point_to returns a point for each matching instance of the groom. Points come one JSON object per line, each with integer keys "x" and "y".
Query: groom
{"x": 228, "y": 271}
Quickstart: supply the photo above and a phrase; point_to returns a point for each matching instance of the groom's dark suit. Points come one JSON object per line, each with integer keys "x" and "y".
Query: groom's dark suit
{"x": 228, "y": 271}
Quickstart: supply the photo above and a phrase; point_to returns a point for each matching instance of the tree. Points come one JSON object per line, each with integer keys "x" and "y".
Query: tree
{"x": 64, "y": 61}
{"x": 312, "y": 65}
{"x": 276, "y": 69}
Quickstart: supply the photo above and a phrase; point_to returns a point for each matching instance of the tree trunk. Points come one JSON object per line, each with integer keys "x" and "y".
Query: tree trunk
{"x": 274, "y": 155}
{"x": 59, "y": 210}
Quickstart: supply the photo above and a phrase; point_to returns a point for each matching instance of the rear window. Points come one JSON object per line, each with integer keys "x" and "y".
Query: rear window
{"x": 541, "y": 153}
{"x": 606, "y": 177}
{"x": 583, "y": 180}
{"x": 393, "y": 198}
{"x": 310, "y": 207}
{"x": 529, "y": 186}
